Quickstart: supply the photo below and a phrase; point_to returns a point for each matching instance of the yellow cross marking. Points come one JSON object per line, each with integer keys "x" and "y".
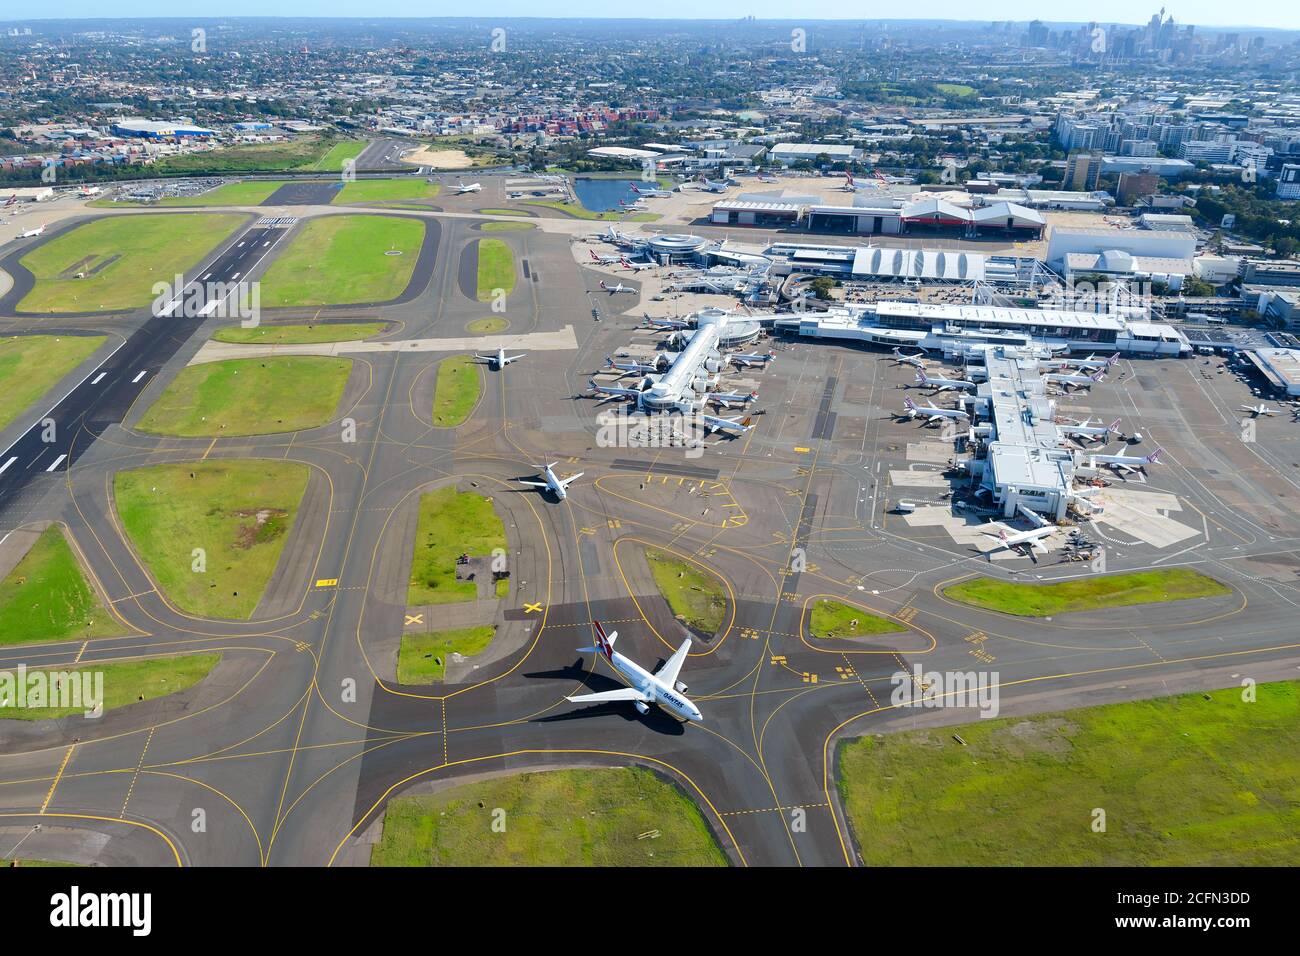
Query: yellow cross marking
{"x": 532, "y": 608}
{"x": 414, "y": 619}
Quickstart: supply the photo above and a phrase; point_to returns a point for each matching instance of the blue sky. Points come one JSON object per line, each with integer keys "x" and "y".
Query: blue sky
{"x": 1271, "y": 13}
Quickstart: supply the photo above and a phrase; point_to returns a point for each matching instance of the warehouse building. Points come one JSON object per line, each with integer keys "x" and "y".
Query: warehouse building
{"x": 149, "y": 129}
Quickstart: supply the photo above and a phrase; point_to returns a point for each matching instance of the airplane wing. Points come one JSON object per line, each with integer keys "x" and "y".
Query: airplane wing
{"x": 623, "y": 693}
{"x": 533, "y": 484}
{"x": 565, "y": 482}
{"x": 486, "y": 358}
{"x": 516, "y": 358}
{"x": 673, "y": 666}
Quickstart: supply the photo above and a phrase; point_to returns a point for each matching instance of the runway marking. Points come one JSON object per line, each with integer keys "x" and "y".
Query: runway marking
{"x": 802, "y": 806}
{"x": 327, "y": 582}
{"x": 5, "y": 466}
{"x": 55, "y": 464}
{"x": 532, "y": 608}
{"x": 139, "y": 376}
{"x": 57, "y": 777}
{"x": 97, "y": 378}
{"x": 136, "y": 776}
{"x": 77, "y": 659}
{"x": 414, "y": 619}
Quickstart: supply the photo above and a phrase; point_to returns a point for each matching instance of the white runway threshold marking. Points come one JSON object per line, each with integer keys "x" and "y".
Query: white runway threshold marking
{"x": 5, "y": 466}
{"x": 55, "y": 464}
{"x": 139, "y": 376}
{"x": 98, "y": 378}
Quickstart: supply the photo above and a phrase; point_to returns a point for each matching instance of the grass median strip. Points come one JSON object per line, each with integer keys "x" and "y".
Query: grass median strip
{"x": 451, "y": 523}
{"x": 385, "y": 190}
{"x": 46, "y": 597}
{"x": 30, "y": 365}
{"x": 211, "y": 532}
{"x": 255, "y": 396}
{"x": 623, "y": 816}
{"x": 695, "y": 596}
{"x": 422, "y": 658}
{"x": 456, "y": 391}
{"x": 1086, "y": 594}
{"x": 831, "y": 619}
{"x": 124, "y": 683}
{"x": 1182, "y": 781}
{"x": 300, "y": 334}
{"x": 496, "y": 269}
{"x": 344, "y": 260}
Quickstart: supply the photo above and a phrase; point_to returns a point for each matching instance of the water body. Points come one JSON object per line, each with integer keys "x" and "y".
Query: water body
{"x": 603, "y": 195}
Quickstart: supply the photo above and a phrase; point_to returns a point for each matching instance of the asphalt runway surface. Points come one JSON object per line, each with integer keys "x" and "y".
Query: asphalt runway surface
{"x": 293, "y": 745}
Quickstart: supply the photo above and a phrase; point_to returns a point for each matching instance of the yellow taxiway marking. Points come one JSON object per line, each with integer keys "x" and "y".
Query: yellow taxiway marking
{"x": 327, "y": 582}
{"x": 414, "y": 619}
{"x": 532, "y": 608}
{"x": 57, "y": 777}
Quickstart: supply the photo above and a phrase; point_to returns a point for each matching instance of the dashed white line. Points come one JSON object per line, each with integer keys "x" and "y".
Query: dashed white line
{"x": 139, "y": 376}
{"x": 55, "y": 464}
{"x": 5, "y": 466}
{"x": 97, "y": 378}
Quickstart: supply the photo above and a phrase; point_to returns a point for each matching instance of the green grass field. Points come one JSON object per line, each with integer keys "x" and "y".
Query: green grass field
{"x": 127, "y": 682}
{"x": 1183, "y": 781}
{"x": 451, "y": 522}
{"x": 619, "y": 817}
{"x": 836, "y": 619}
{"x": 1086, "y": 594}
{"x": 46, "y": 597}
{"x": 496, "y": 269}
{"x": 334, "y": 158}
{"x": 343, "y": 260}
{"x": 457, "y": 390}
{"x": 422, "y": 658}
{"x": 960, "y": 90}
{"x": 578, "y": 211}
{"x": 254, "y": 396}
{"x": 303, "y": 153}
{"x": 247, "y": 193}
{"x": 488, "y": 325}
{"x": 385, "y": 190}
{"x": 695, "y": 597}
{"x": 299, "y": 334}
{"x": 121, "y": 258}
{"x": 239, "y": 512}
{"x": 506, "y": 227}
{"x": 30, "y": 365}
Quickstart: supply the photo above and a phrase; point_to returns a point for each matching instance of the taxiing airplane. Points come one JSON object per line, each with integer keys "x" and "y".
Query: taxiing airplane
{"x": 611, "y": 289}
{"x": 1125, "y": 463}
{"x": 931, "y": 412}
{"x": 941, "y": 384}
{"x": 461, "y": 188}
{"x": 500, "y": 360}
{"x": 746, "y": 359}
{"x": 553, "y": 483}
{"x": 1091, "y": 433}
{"x": 32, "y": 233}
{"x": 661, "y": 688}
{"x": 1257, "y": 410}
{"x": 712, "y": 423}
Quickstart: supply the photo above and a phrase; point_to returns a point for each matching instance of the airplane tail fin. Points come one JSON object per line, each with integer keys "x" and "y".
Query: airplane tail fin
{"x": 604, "y": 642}
{"x": 909, "y": 404}
{"x": 1154, "y": 457}
{"x": 1113, "y": 426}
{"x": 1112, "y": 360}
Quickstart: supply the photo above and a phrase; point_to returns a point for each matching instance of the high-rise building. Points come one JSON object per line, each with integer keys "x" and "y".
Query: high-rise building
{"x": 1082, "y": 172}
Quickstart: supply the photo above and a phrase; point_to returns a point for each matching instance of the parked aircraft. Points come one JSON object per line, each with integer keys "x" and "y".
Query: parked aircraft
{"x": 1076, "y": 381}
{"x": 1125, "y": 463}
{"x": 611, "y": 289}
{"x": 712, "y": 423}
{"x": 1091, "y": 433}
{"x": 32, "y": 233}
{"x": 1257, "y": 410}
{"x": 931, "y": 412}
{"x": 746, "y": 359}
{"x": 941, "y": 384}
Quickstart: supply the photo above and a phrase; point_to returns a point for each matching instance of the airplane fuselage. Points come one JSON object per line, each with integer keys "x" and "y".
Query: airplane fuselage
{"x": 669, "y": 698}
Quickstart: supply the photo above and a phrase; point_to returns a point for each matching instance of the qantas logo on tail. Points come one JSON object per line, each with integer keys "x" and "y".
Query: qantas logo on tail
{"x": 602, "y": 642}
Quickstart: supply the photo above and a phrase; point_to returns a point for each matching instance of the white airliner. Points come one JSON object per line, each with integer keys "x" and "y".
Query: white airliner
{"x": 605, "y": 260}
{"x": 1257, "y": 410}
{"x": 931, "y": 412}
{"x": 941, "y": 384}
{"x": 554, "y": 483}
{"x": 916, "y": 361}
{"x": 636, "y": 266}
{"x": 32, "y": 233}
{"x": 12, "y": 200}
{"x": 1125, "y": 463}
{"x": 1076, "y": 381}
{"x": 667, "y": 324}
{"x": 611, "y": 289}
{"x": 500, "y": 360}
{"x": 746, "y": 359}
{"x": 727, "y": 399}
{"x": 645, "y": 368}
{"x": 608, "y": 393}
{"x": 662, "y": 687}
{"x": 1032, "y": 538}
{"x": 1091, "y": 433}
{"x": 656, "y": 193}
{"x": 1091, "y": 363}
{"x": 712, "y": 424}
{"x": 461, "y": 188}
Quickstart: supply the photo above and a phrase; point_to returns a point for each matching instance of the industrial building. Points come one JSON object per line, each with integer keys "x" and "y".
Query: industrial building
{"x": 882, "y": 216}
{"x": 149, "y": 129}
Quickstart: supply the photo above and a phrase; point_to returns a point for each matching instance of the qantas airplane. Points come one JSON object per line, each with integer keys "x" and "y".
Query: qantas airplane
{"x": 636, "y": 266}
{"x": 32, "y": 233}
{"x": 662, "y": 687}
{"x": 611, "y": 289}
{"x": 12, "y": 200}
{"x": 553, "y": 483}
{"x": 500, "y": 360}
{"x": 1033, "y": 539}
{"x": 605, "y": 260}
{"x": 461, "y": 188}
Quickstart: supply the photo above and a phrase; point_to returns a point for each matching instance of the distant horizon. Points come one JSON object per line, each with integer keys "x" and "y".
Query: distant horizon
{"x": 1015, "y": 11}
